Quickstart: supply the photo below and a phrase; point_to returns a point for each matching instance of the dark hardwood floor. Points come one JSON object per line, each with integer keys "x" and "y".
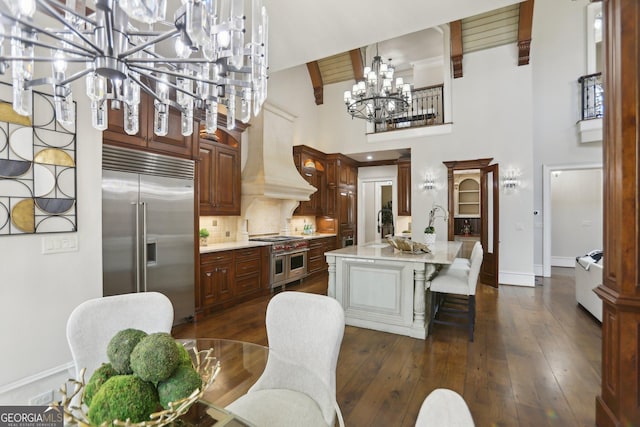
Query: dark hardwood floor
{"x": 535, "y": 360}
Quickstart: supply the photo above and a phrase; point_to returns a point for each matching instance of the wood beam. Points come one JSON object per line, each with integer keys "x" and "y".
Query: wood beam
{"x": 617, "y": 404}
{"x": 316, "y": 81}
{"x": 525, "y": 24}
{"x": 456, "y": 48}
{"x": 357, "y": 64}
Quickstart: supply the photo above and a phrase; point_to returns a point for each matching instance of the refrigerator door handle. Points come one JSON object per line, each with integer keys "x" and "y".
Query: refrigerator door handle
{"x": 137, "y": 239}
{"x": 143, "y": 266}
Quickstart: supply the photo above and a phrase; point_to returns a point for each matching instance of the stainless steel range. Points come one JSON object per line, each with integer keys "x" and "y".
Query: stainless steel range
{"x": 288, "y": 258}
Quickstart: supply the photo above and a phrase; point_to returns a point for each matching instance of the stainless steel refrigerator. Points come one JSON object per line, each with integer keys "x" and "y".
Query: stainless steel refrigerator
{"x": 147, "y": 226}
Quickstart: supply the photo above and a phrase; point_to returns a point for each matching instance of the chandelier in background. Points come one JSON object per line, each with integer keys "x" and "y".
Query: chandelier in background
{"x": 219, "y": 58}
{"x": 376, "y": 98}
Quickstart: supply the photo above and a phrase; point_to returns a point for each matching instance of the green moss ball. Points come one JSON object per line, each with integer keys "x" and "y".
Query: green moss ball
{"x": 99, "y": 377}
{"x": 122, "y": 397}
{"x": 179, "y": 385}
{"x": 120, "y": 348}
{"x": 155, "y": 357}
{"x": 184, "y": 356}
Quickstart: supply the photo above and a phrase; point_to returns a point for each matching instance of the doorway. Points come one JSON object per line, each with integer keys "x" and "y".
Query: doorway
{"x": 547, "y": 207}
{"x": 377, "y": 202}
{"x": 474, "y": 211}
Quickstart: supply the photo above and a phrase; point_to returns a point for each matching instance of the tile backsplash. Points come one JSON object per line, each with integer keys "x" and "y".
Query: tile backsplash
{"x": 222, "y": 229}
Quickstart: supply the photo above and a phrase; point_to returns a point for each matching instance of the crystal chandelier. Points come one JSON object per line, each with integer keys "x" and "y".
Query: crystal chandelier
{"x": 375, "y": 98}
{"x": 219, "y": 58}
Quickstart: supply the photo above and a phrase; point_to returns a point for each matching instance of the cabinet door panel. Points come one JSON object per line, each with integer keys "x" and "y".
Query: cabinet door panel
{"x": 205, "y": 181}
{"x": 227, "y": 181}
{"x": 173, "y": 142}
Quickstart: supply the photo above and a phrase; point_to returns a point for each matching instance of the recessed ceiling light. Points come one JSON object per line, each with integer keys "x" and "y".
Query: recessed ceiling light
{"x": 369, "y": 157}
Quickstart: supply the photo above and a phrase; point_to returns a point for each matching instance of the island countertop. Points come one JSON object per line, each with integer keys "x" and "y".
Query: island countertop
{"x": 442, "y": 253}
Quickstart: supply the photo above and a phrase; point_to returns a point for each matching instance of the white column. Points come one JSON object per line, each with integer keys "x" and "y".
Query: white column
{"x": 419, "y": 329}
{"x": 331, "y": 290}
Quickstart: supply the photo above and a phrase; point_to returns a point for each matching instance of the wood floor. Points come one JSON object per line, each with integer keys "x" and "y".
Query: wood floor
{"x": 535, "y": 360}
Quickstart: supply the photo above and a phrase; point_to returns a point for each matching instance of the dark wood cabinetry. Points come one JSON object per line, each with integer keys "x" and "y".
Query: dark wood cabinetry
{"x": 219, "y": 175}
{"x": 404, "y": 187}
{"x": 310, "y": 164}
{"x": 317, "y": 247}
{"x": 342, "y": 199}
{"x": 230, "y": 277}
{"x": 174, "y": 143}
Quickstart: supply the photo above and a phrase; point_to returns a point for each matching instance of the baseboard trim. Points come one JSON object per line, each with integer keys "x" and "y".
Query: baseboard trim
{"x": 516, "y": 278}
{"x": 36, "y": 377}
{"x": 563, "y": 261}
{"x": 538, "y": 269}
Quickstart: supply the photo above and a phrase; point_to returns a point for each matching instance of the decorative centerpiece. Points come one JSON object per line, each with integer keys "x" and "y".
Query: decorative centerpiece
{"x": 150, "y": 380}
{"x": 406, "y": 245}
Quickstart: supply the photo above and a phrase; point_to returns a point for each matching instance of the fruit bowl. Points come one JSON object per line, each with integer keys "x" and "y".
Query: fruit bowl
{"x": 204, "y": 363}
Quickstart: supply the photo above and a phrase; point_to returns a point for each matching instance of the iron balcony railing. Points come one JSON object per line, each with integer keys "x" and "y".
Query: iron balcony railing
{"x": 592, "y": 95}
{"x": 425, "y": 109}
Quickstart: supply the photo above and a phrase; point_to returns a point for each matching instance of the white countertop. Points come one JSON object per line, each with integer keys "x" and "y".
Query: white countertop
{"x": 442, "y": 253}
{"x": 228, "y": 246}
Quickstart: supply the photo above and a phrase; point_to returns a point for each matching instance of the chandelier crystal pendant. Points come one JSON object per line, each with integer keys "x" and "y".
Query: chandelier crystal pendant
{"x": 376, "y": 98}
{"x": 215, "y": 58}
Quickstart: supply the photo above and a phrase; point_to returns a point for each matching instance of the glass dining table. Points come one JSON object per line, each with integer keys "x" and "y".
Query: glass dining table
{"x": 241, "y": 364}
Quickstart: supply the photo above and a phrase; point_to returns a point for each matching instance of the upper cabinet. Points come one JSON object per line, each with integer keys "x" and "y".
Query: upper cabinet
{"x": 219, "y": 173}
{"x": 174, "y": 143}
{"x": 310, "y": 164}
{"x": 404, "y": 187}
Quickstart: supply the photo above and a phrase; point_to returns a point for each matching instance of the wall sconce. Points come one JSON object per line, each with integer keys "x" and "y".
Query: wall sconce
{"x": 429, "y": 182}
{"x": 511, "y": 180}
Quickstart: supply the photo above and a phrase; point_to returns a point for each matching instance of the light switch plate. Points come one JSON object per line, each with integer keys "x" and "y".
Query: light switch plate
{"x": 59, "y": 243}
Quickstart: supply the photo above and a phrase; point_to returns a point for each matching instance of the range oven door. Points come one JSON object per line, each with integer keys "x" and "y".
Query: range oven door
{"x": 278, "y": 269}
{"x": 297, "y": 265}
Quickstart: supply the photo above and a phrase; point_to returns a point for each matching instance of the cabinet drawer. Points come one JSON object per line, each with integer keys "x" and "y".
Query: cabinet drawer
{"x": 248, "y": 284}
{"x": 247, "y": 266}
{"x": 316, "y": 264}
{"x": 248, "y": 253}
{"x": 216, "y": 257}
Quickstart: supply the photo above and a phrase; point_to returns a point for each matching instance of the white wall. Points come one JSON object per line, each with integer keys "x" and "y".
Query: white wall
{"x": 38, "y": 292}
{"x": 576, "y": 215}
{"x": 558, "y": 59}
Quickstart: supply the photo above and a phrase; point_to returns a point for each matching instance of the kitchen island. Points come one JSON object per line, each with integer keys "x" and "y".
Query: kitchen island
{"x": 384, "y": 289}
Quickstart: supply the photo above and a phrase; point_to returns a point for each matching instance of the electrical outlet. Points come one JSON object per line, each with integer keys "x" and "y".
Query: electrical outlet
{"x": 214, "y": 223}
{"x": 227, "y": 233}
{"x": 42, "y": 399}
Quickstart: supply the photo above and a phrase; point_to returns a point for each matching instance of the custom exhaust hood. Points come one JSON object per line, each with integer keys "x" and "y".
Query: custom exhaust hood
{"x": 271, "y": 184}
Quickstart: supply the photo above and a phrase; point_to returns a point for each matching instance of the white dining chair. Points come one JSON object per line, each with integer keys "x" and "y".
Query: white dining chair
{"x": 94, "y": 322}
{"x": 298, "y": 385}
{"x": 444, "y": 408}
{"x": 465, "y": 263}
{"x": 453, "y": 293}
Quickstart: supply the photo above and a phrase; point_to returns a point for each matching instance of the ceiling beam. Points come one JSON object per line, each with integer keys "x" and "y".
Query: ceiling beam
{"x": 316, "y": 81}
{"x": 455, "y": 28}
{"x": 525, "y": 24}
{"x": 356, "y": 63}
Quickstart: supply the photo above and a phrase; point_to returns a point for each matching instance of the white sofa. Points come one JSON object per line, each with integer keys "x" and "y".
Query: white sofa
{"x": 589, "y": 276}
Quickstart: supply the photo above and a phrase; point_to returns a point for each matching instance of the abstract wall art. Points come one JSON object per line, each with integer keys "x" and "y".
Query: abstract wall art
{"x": 37, "y": 169}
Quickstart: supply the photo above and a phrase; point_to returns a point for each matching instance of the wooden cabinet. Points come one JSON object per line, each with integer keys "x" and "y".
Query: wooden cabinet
{"x": 317, "y": 262}
{"x": 311, "y": 166}
{"x": 230, "y": 277}
{"x": 219, "y": 175}
{"x": 342, "y": 199}
{"x": 404, "y": 187}
{"x": 174, "y": 143}
{"x": 215, "y": 278}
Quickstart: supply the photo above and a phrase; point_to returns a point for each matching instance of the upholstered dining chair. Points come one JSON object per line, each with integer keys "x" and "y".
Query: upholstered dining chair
{"x": 453, "y": 293}
{"x": 298, "y": 385}
{"x": 465, "y": 263}
{"x": 94, "y": 322}
{"x": 444, "y": 408}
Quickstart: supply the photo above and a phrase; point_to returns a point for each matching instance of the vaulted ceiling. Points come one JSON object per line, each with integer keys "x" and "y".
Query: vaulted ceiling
{"x": 503, "y": 25}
